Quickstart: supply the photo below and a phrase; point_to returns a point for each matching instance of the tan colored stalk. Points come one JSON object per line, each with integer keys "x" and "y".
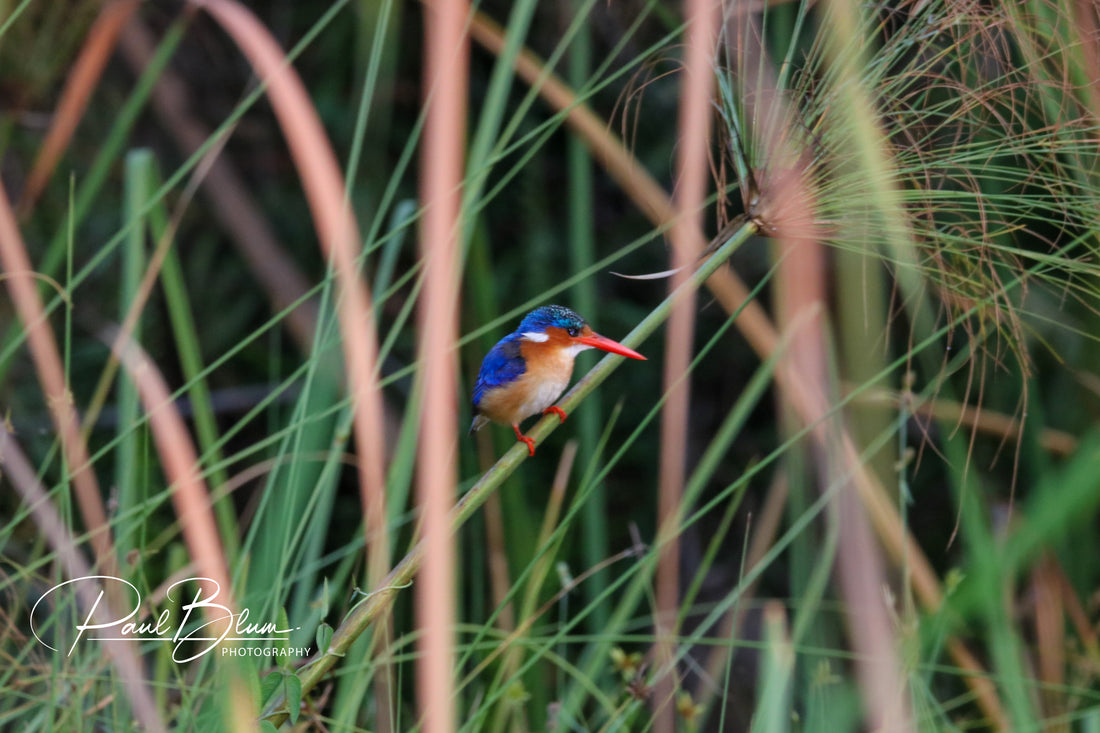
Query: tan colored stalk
{"x": 82, "y": 80}
{"x": 983, "y": 421}
{"x": 122, "y": 654}
{"x": 192, "y": 503}
{"x": 1079, "y": 618}
{"x": 446, "y": 76}
{"x": 692, "y": 176}
{"x": 181, "y": 465}
{"x": 516, "y": 648}
{"x": 338, "y": 234}
{"x": 497, "y": 550}
{"x": 1051, "y": 643}
{"x": 22, "y": 285}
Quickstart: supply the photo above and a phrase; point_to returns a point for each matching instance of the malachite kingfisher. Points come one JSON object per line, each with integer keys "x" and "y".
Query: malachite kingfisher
{"x": 528, "y": 369}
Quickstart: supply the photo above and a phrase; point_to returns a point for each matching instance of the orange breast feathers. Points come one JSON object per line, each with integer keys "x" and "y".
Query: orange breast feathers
{"x": 549, "y": 366}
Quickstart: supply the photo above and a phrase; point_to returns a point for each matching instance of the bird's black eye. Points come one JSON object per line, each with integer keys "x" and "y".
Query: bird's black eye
{"x": 573, "y": 331}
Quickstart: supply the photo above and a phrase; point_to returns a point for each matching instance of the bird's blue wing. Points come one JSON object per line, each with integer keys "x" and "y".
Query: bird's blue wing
{"x": 503, "y": 364}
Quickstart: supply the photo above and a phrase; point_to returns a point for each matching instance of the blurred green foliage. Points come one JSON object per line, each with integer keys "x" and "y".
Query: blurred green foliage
{"x": 963, "y": 275}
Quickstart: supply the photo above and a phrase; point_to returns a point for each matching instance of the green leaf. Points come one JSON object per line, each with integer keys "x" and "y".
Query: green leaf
{"x": 324, "y": 636}
{"x": 269, "y": 684}
{"x": 292, "y": 687}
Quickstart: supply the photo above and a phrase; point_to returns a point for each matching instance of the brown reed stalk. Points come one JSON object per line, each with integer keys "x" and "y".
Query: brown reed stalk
{"x": 692, "y": 176}
{"x": 1087, "y": 15}
{"x": 509, "y": 665}
{"x": 800, "y": 292}
{"x": 192, "y": 502}
{"x": 82, "y": 80}
{"x": 1079, "y": 618}
{"x": 122, "y": 654}
{"x": 800, "y": 295}
{"x": 495, "y": 542}
{"x": 1051, "y": 643}
{"x": 338, "y": 234}
{"x": 23, "y": 287}
{"x": 496, "y": 547}
{"x": 985, "y": 420}
{"x": 180, "y": 461}
{"x": 446, "y": 76}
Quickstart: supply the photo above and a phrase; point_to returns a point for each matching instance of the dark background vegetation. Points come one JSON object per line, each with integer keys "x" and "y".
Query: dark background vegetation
{"x": 1017, "y": 183}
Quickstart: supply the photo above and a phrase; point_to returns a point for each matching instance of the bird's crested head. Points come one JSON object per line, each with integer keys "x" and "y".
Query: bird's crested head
{"x": 552, "y": 316}
{"x": 556, "y": 327}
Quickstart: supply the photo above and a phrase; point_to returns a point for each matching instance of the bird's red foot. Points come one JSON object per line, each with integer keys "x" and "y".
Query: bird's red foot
{"x": 524, "y": 439}
{"x": 556, "y": 410}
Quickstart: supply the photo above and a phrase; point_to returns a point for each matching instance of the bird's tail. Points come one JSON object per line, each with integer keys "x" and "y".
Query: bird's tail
{"x": 478, "y": 423}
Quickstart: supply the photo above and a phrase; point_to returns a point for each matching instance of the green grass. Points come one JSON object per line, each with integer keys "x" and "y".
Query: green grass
{"x": 950, "y": 156}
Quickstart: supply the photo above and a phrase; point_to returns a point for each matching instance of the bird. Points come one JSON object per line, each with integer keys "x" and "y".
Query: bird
{"x": 528, "y": 369}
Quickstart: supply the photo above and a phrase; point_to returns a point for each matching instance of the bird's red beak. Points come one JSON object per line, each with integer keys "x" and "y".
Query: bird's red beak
{"x": 602, "y": 342}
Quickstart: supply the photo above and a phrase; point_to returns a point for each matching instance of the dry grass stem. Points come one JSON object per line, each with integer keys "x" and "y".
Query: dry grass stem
{"x": 985, "y": 420}
{"x": 82, "y": 80}
{"x": 692, "y": 176}
{"x": 1051, "y": 642}
{"x": 499, "y": 577}
{"x": 788, "y": 207}
{"x": 122, "y": 654}
{"x": 192, "y": 503}
{"x": 23, "y": 288}
{"x": 338, "y": 234}
{"x": 181, "y": 465}
{"x": 446, "y": 71}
